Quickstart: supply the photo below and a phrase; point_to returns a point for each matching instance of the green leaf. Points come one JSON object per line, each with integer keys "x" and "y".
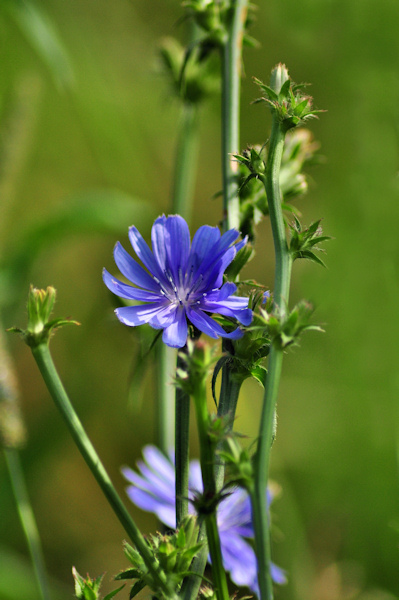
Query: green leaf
{"x": 91, "y": 212}
{"x": 260, "y": 374}
{"x": 219, "y": 365}
{"x": 285, "y": 89}
{"x": 128, "y": 574}
{"x": 39, "y": 30}
{"x": 311, "y": 256}
{"x": 265, "y": 88}
{"x": 298, "y": 110}
{"x": 112, "y": 594}
{"x": 136, "y": 588}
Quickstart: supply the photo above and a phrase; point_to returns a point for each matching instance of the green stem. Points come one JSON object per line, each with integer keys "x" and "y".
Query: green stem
{"x": 186, "y": 159}
{"x": 28, "y": 521}
{"x": 229, "y": 393}
{"x": 182, "y": 196}
{"x": 182, "y": 438}
{"x": 165, "y": 413}
{"x": 51, "y": 378}
{"x": 281, "y": 295}
{"x": 207, "y": 460}
{"x": 231, "y": 82}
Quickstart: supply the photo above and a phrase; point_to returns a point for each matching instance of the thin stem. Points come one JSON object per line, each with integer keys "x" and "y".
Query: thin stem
{"x": 231, "y": 82}
{"x": 229, "y": 393}
{"x": 186, "y": 160}
{"x": 281, "y": 295}
{"x": 28, "y": 521}
{"x": 51, "y": 378}
{"x": 207, "y": 459}
{"x": 182, "y": 197}
{"x": 182, "y": 439}
{"x": 165, "y": 413}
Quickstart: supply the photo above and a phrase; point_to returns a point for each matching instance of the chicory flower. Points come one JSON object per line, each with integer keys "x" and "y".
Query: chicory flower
{"x": 153, "y": 490}
{"x": 183, "y": 281}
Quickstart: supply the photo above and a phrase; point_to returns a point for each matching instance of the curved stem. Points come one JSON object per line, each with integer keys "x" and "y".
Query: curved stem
{"x": 281, "y": 296}
{"x": 51, "y": 378}
{"x": 231, "y": 80}
{"x": 27, "y": 519}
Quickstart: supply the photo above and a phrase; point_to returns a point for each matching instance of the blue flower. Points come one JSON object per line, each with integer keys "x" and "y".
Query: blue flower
{"x": 184, "y": 281}
{"x": 153, "y": 490}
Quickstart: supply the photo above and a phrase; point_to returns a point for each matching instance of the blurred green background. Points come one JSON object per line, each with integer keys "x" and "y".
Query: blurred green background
{"x": 88, "y": 127}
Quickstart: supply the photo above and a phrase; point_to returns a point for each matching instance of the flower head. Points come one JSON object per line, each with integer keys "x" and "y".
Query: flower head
{"x": 153, "y": 490}
{"x": 184, "y": 280}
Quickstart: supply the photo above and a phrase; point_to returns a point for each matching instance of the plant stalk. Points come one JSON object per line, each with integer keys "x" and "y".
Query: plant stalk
{"x": 207, "y": 460}
{"x": 54, "y": 385}
{"x": 231, "y": 84}
{"x": 283, "y": 263}
{"x": 27, "y": 519}
{"x": 182, "y": 439}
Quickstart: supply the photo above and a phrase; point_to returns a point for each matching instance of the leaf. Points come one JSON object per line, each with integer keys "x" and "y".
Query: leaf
{"x": 311, "y": 256}
{"x": 219, "y": 365}
{"x": 260, "y": 374}
{"x": 285, "y": 89}
{"x": 136, "y": 588}
{"x": 265, "y": 88}
{"x": 112, "y": 594}
{"x": 128, "y": 574}
{"x": 39, "y": 30}
{"x": 95, "y": 211}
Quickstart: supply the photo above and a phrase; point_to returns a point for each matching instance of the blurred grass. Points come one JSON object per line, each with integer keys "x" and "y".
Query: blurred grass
{"x": 337, "y": 519}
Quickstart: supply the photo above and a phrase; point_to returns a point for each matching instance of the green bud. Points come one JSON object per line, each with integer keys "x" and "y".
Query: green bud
{"x": 40, "y": 307}
{"x": 195, "y": 363}
{"x": 286, "y": 100}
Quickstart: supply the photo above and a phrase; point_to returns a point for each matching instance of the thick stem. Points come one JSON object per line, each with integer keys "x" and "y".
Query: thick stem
{"x": 281, "y": 295}
{"x": 51, "y": 378}
{"x": 207, "y": 459}
{"x": 28, "y": 521}
{"x": 231, "y": 81}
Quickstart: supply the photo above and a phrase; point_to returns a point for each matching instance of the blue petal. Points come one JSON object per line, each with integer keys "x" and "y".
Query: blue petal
{"x": 243, "y": 316}
{"x": 277, "y": 574}
{"x": 208, "y": 326}
{"x": 175, "y": 335}
{"x": 127, "y": 291}
{"x": 158, "y": 241}
{"x": 137, "y": 315}
{"x": 239, "y": 559}
{"x": 177, "y": 246}
{"x": 159, "y": 463}
{"x": 142, "y": 250}
{"x": 132, "y": 270}
{"x": 204, "y": 240}
{"x": 214, "y": 275}
{"x": 217, "y": 251}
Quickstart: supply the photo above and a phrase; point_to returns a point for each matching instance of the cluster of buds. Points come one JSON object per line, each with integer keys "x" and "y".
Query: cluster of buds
{"x": 286, "y": 99}
{"x": 174, "y": 553}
